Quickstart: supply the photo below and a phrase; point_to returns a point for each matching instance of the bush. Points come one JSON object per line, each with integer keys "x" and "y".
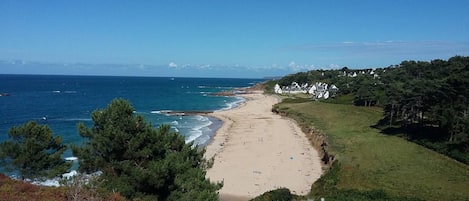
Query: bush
{"x": 33, "y": 152}
{"x": 139, "y": 161}
{"x": 281, "y": 194}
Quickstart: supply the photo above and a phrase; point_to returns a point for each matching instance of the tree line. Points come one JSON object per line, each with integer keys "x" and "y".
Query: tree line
{"x": 134, "y": 159}
{"x": 430, "y": 100}
{"x": 426, "y": 100}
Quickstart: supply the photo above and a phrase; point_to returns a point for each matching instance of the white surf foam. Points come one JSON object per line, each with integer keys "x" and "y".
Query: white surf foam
{"x": 197, "y": 131}
{"x": 233, "y": 104}
{"x": 70, "y": 174}
{"x": 72, "y": 158}
{"x": 56, "y": 182}
{"x": 165, "y": 112}
{"x": 48, "y": 182}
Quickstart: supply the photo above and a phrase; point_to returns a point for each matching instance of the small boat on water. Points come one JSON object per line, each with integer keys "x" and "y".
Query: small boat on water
{"x": 4, "y": 94}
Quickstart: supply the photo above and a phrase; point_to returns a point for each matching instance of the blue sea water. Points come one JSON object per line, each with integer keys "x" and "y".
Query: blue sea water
{"x": 62, "y": 101}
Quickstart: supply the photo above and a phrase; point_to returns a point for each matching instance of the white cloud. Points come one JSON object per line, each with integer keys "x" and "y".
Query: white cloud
{"x": 296, "y": 67}
{"x": 172, "y": 65}
{"x": 205, "y": 66}
{"x": 275, "y": 66}
{"x": 334, "y": 66}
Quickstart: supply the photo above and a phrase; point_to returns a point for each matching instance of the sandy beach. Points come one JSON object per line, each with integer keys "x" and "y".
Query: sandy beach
{"x": 256, "y": 151}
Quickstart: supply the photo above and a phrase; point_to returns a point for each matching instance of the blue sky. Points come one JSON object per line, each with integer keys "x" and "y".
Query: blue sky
{"x": 225, "y": 38}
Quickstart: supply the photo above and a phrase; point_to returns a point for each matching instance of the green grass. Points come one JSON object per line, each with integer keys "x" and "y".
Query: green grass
{"x": 370, "y": 160}
{"x": 342, "y": 99}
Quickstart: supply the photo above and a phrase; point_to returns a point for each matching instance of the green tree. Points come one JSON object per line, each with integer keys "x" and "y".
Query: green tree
{"x": 139, "y": 161}
{"x": 33, "y": 152}
{"x": 429, "y": 100}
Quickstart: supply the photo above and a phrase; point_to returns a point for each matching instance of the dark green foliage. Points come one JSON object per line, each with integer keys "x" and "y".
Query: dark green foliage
{"x": 429, "y": 101}
{"x": 366, "y": 89}
{"x": 281, "y": 194}
{"x": 139, "y": 161}
{"x": 269, "y": 86}
{"x": 33, "y": 152}
{"x": 328, "y": 181}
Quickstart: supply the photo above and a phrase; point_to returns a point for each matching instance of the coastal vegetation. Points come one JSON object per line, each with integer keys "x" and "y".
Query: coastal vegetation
{"x": 127, "y": 156}
{"x": 19, "y": 190}
{"x": 33, "y": 153}
{"x": 370, "y": 160}
{"x": 376, "y": 124}
{"x": 401, "y": 133}
{"x": 425, "y": 102}
{"x": 139, "y": 161}
{"x": 283, "y": 194}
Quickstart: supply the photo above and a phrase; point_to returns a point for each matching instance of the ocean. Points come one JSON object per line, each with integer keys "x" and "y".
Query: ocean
{"x": 62, "y": 101}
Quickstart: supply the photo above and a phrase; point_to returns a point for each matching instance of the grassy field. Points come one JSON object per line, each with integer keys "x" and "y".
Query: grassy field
{"x": 370, "y": 160}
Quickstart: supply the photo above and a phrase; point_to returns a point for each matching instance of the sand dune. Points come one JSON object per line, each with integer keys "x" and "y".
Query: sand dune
{"x": 256, "y": 151}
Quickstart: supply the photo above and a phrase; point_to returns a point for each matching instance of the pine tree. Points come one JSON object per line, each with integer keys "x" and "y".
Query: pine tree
{"x": 140, "y": 161}
{"x": 33, "y": 152}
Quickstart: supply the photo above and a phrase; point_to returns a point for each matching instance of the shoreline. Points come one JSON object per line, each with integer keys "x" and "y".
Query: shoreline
{"x": 256, "y": 151}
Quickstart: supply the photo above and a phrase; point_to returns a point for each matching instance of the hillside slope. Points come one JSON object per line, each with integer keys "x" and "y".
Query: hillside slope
{"x": 371, "y": 160}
